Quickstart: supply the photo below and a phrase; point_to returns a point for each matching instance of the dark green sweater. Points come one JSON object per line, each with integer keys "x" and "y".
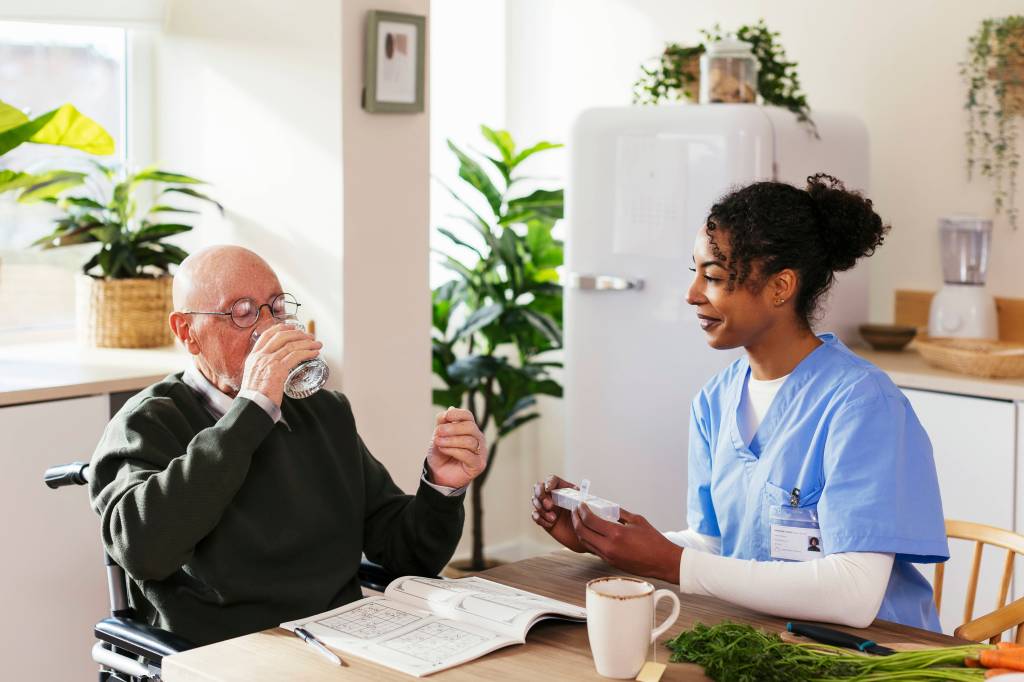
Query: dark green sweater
{"x": 234, "y": 526}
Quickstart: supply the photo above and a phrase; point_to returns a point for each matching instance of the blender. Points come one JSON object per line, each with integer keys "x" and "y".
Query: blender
{"x": 963, "y": 308}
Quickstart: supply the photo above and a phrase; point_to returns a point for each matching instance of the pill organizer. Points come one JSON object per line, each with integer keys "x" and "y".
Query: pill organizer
{"x": 569, "y": 498}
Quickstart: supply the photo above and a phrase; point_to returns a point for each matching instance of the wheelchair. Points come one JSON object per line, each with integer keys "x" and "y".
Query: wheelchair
{"x": 131, "y": 650}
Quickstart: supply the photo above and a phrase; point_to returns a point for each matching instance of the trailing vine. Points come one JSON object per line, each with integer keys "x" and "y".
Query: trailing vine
{"x": 994, "y": 73}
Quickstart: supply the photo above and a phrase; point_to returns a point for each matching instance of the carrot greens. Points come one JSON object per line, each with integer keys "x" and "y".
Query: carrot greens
{"x": 733, "y": 652}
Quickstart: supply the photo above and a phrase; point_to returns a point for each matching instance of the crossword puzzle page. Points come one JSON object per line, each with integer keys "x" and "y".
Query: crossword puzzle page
{"x": 424, "y": 625}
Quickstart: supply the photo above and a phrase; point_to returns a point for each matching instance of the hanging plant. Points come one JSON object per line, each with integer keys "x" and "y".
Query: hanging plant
{"x": 676, "y": 74}
{"x": 994, "y": 72}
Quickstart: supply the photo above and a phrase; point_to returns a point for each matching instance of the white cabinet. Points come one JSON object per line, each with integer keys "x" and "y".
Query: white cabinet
{"x": 52, "y": 578}
{"x": 975, "y": 446}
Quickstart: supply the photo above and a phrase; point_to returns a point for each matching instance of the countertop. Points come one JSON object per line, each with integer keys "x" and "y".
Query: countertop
{"x": 909, "y": 370}
{"x": 53, "y": 370}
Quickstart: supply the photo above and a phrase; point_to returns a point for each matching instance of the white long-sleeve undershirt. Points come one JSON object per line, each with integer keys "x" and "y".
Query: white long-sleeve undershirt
{"x": 845, "y": 588}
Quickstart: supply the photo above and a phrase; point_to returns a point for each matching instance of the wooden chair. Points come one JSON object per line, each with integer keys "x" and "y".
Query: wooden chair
{"x": 992, "y": 625}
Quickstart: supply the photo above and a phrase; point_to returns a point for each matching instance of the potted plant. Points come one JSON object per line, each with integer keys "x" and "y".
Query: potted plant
{"x": 994, "y": 71}
{"x": 497, "y": 320}
{"x": 676, "y": 75}
{"x": 124, "y": 292}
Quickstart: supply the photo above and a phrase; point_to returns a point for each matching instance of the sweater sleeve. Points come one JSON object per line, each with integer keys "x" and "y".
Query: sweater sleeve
{"x": 845, "y": 588}
{"x": 157, "y": 496}
{"x": 408, "y": 534}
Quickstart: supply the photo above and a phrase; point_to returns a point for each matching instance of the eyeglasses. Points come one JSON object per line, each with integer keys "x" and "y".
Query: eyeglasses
{"x": 245, "y": 312}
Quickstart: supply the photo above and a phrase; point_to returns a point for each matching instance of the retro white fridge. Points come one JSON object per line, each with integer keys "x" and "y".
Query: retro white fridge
{"x": 641, "y": 182}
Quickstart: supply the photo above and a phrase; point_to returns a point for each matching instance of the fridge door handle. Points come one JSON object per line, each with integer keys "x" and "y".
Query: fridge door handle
{"x": 604, "y": 282}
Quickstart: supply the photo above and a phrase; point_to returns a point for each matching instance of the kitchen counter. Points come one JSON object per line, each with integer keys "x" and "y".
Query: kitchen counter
{"x": 54, "y": 370}
{"x": 909, "y": 370}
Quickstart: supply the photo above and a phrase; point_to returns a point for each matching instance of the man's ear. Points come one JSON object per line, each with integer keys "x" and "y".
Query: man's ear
{"x": 181, "y": 327}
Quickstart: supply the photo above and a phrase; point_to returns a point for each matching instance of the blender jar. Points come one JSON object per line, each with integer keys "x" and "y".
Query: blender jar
{"x": 965, "y": 249}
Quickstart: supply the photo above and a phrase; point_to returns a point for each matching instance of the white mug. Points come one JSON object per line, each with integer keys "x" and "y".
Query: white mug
{"x": 620, "y": 616}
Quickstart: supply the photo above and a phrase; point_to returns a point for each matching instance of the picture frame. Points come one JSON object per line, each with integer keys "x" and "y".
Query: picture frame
{"x": 395, "y": 62}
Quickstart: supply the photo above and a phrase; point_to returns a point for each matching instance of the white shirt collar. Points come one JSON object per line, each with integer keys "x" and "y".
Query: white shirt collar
{"x": 217, "y": 403}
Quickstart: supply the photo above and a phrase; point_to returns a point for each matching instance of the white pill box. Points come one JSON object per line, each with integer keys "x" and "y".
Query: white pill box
{"x": 569, "y": 498}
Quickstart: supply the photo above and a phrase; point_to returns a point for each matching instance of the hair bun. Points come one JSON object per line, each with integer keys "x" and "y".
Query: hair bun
{"x": 849, "y": 227}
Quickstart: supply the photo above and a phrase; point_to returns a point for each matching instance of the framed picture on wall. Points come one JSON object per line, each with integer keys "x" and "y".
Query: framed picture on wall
{"x": 395, "y": 50}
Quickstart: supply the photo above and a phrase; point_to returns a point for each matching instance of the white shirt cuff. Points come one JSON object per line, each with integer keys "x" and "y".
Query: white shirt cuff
{"x": 272, "y": 410}
{"x": 445, "y": 490}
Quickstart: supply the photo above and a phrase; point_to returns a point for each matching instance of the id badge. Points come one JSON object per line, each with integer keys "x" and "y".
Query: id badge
{"x": 795, "y": 534}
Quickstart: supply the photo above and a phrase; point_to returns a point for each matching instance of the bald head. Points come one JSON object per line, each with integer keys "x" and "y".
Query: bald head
{"x": 218, "y": 275}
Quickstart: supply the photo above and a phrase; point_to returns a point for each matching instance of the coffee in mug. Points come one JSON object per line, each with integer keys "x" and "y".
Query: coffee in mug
{"x": 620, "y": 615}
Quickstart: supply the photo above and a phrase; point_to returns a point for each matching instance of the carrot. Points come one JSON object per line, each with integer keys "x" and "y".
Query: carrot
{"x": 996, "y": 672}
{"x": 1009, "y": 645}
{"x": 972, "y": 663}
{"x": 1002, "y": 658}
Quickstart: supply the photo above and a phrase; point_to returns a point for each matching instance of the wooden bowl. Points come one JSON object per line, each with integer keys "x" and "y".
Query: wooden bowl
{"x": 887, "y": 336}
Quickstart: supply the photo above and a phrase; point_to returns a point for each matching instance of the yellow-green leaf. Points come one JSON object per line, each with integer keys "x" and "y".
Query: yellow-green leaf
{"x": 70, "y": 128}
{"x": 10, "y": 116}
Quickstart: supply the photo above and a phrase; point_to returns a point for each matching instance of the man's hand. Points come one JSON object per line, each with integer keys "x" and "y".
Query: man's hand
{"x": 278, "y": 351}
{"x": 632, "y": 544}
{"x": 555, "y": 520}
{"x": 458, "y": 449}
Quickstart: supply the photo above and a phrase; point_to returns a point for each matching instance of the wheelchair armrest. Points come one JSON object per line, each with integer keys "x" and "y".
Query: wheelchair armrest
{"x": 374, "y": 576}
{"x": 140, "y": 639}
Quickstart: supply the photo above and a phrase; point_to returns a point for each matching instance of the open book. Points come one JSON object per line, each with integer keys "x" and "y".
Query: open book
{"x": 423, "y": 625}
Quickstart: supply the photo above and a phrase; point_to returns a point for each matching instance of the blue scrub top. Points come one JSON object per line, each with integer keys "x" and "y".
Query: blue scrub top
{"x": 846, "y": 436}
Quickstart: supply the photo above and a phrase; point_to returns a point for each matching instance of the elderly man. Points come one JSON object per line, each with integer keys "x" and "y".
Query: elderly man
{"x": 234, "y": 508}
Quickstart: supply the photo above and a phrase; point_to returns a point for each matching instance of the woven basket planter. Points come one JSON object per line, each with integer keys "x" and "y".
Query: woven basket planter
{"x": 123, "y": 313}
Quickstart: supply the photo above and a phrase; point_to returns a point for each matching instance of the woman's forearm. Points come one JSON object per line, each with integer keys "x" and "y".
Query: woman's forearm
{"x": 845, "y": 588}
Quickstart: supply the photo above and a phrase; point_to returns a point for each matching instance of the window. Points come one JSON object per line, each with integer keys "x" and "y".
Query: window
{"x": 41, "y": 67}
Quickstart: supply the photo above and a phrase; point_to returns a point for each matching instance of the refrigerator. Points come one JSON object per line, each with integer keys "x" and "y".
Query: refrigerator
{"x": 641, "y": 182}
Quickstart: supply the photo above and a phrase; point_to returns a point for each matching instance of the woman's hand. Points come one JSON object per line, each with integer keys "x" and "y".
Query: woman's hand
{"x": 555, "y": 520}
{"x": 632, "y": 545}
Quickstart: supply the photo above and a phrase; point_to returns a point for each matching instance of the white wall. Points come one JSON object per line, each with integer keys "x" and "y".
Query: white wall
{"x": 249, "y": 98}
{"x": 386, "y": 354}
{"x": 257, "y": 98}
{"x": 894, "y": 64}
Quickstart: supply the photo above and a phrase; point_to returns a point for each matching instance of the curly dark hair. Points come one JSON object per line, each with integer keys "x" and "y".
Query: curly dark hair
{"x": 817, "y": 232}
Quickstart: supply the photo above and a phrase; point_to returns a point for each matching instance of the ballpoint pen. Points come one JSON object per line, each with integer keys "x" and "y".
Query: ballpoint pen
{"x": 310, "y": 639}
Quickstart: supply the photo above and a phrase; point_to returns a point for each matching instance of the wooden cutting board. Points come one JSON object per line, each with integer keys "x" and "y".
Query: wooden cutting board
{"x": 912, "y": 309}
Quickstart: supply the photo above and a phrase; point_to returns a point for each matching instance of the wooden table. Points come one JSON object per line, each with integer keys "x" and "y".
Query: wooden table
{"x": 554, "y": 650}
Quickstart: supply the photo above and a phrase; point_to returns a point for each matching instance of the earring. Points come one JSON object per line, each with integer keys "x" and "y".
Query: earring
{"x": 780, "y": 301}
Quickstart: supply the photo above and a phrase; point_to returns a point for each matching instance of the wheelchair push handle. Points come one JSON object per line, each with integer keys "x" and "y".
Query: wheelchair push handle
{"x": 75, "y": 473}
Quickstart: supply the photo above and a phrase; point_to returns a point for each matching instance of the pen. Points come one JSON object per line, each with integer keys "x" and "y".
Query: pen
{"x": 310, "y": 639}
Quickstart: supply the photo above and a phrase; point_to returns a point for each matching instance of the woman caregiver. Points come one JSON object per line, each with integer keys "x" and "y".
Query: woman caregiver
{"x": 798, "y": 444}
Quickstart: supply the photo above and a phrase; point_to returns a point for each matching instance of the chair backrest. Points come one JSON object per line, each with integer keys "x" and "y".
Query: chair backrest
{"x": 981, "y": 535}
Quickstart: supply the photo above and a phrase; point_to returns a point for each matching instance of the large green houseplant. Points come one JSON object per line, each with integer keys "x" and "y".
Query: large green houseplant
{"x": 495, "y": 323}
{"x": 994, "y": 71}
